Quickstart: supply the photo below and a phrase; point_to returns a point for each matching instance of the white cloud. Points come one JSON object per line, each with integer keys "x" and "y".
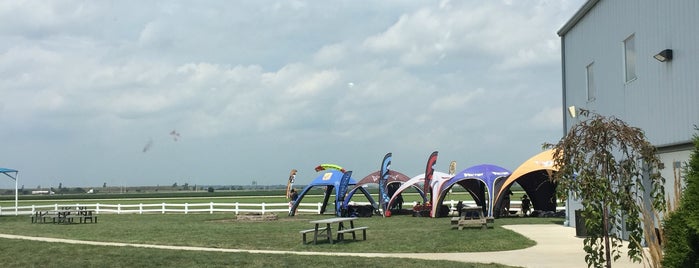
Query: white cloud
{"x": 457, "y": 100}
{"x": 547, "y": 118}
{"x": 283, "y": 82}
{"x": 331, "y": 54}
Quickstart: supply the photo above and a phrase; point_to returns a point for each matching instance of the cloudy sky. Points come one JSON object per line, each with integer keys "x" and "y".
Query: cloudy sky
{"x": 231, "y": 92}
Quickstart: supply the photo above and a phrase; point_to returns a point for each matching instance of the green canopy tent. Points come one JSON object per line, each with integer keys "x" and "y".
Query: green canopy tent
{"x": 9, "y": 172}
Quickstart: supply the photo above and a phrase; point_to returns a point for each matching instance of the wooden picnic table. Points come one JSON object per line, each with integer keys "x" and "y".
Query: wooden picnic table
{"x": 64, "y": 216}
{"x": 470, "y": 216}
{"x": 325, "y": 225}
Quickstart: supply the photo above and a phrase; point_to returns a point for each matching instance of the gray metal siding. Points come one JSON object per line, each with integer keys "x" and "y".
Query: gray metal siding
{"x": 664, "y": 99}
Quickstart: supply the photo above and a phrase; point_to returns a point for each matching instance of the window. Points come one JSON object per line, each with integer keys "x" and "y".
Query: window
{"x": 591, "y": 89}
{"x": 630, "y": 58}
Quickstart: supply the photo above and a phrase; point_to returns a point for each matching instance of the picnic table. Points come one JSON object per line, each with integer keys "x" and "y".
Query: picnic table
{"x": 325, "y": 226}
{"x": 64, "y": 215}
{"x": 470, "y": 216}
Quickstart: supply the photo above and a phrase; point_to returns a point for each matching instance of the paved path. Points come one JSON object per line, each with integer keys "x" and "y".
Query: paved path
{"x": 556, "y": 246}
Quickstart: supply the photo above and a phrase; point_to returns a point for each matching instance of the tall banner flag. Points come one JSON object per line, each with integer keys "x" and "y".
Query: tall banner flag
{"x": 429, "y": 170}
{"x": 290, "y": 183}
{"x": 341, "y": 192}
{"x": 383, "y": 182}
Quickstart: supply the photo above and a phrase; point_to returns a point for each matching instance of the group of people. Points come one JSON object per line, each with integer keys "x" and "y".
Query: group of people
{"x": 526, "y": 204}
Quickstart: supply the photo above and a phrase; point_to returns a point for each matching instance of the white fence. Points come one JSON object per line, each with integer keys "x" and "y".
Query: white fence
{"x": 185, "y": 208}
{"x": 211, "y": 207}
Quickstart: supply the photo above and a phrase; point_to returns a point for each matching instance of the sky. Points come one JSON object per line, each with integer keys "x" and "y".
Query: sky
{"x": 135, "y": 93}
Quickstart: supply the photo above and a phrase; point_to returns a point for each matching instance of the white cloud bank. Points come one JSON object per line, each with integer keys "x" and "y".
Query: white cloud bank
{"x": 258, "y": 88}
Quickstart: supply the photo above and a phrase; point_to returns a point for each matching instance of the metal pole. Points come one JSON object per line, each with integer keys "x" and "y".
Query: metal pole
{"x": 16, "y": 194}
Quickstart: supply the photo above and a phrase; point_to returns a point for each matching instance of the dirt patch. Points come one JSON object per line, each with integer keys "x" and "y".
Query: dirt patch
{"x": 256, "y": 217}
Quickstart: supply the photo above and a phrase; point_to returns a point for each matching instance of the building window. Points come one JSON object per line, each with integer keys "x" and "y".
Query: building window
{"x": 591, "y": 88}
{"x": 630, "y": 58}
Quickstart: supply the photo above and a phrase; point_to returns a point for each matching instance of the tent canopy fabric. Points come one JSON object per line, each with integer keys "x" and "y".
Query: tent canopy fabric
{"x": 437, "y": 179}
{"x": 393, "y": 177}
{"x": 473, "y": 179}
{"x": 533, "y": 175}
{"x": 7, "y": 172}
{"x": 330, "y": 180}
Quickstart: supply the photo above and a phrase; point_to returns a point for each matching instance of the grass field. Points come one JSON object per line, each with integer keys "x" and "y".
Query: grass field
{"x": 404, "y": 234}
{"x": 395, "y": 234}
{"x": 40, "y": 254}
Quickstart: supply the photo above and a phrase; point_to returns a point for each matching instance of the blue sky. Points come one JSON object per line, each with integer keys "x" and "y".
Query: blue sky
{"x": 91, "y": 90}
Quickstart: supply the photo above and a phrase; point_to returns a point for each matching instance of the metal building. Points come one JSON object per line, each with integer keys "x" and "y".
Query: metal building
{"x": 637, "y": 60}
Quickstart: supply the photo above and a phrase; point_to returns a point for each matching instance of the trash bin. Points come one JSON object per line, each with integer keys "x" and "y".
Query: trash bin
{"x": 580, "y": 230}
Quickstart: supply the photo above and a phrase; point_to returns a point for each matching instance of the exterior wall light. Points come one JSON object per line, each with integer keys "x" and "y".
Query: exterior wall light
{"x": 571, "y": 111}
{"x": 664, "y": 55}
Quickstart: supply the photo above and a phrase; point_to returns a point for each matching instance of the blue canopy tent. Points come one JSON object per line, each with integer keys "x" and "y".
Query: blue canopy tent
{"x": 330, "y": 180}
{"x": 8, "y": 172}
{"x": 478, "y": 180}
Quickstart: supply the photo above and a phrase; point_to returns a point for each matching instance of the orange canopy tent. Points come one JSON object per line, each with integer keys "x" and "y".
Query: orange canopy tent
{"x": 534, "y": 177}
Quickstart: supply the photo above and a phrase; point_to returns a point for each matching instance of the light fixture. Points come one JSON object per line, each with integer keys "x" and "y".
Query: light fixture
{"x": 571, "y": 111}
{"x": 664, "y": 55}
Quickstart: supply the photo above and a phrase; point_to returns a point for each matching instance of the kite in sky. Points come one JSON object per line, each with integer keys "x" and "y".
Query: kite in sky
{"x": 175, "y": 135}
{"x": 149, "y": 144}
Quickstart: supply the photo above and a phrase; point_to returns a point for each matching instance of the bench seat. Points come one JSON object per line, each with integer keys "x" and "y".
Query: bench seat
{"x": 304, "y": 232}
{"x": 341, "y": 233}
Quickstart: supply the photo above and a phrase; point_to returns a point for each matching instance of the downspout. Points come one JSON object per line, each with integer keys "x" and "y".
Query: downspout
{"x": 564, "y": 111}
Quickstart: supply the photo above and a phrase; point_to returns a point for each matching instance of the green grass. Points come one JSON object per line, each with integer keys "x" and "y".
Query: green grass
{"x": 395, "y": 234}
{"x": 401, "y": 233}
{"x": 17, "y": 253}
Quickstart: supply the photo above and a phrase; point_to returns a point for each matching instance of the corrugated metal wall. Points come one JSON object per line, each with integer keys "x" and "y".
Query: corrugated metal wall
{"x": 664, "y": 99}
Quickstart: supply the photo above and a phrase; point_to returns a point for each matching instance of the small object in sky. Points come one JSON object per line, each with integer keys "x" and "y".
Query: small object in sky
{"x": 149, "y": 144}
{"x": 350, "y": 85}
{"x": 175, "y": 135}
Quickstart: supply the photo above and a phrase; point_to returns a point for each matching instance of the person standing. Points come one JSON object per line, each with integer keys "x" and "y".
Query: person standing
{"x": 293, "y": 195}
{"x": 459, "y": 207}
{"x": 526, "y": 204}
{"x": 506, "y": 204}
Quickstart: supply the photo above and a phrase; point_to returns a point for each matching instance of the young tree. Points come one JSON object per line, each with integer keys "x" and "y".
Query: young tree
{"x": 604, "y": 162}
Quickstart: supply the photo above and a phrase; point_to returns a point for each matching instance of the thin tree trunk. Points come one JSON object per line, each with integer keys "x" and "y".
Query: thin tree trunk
{"x": 605, "y": 228}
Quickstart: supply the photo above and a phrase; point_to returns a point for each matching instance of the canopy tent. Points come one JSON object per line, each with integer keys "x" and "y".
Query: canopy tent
{"x": 330, "y": 180}
{"x": 533, "y": 175}
{"x": 8, "y": 172}
{"x": 437, "y": 179}
{"x": 393, "y": 177}
{"x": 478, "y": 180}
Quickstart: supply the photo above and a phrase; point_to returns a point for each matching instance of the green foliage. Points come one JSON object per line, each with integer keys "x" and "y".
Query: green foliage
{"x": 681, "y": 242}
{"x": 690, "y": 197}
{"x": 682, "y": 226}
{"x": 603, "y": 162}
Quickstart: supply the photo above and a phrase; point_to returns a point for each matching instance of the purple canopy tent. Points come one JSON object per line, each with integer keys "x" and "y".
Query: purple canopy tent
{"x": 478, "y": 180}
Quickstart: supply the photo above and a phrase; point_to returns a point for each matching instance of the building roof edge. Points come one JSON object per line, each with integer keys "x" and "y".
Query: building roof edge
{"x": 577, "y": 17}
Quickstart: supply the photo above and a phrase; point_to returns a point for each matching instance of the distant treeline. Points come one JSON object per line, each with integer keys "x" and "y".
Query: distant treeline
{"x": 167, "y": 192}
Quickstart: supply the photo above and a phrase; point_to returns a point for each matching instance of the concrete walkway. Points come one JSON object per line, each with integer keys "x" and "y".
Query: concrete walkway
{"x": 556, "y": 246}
